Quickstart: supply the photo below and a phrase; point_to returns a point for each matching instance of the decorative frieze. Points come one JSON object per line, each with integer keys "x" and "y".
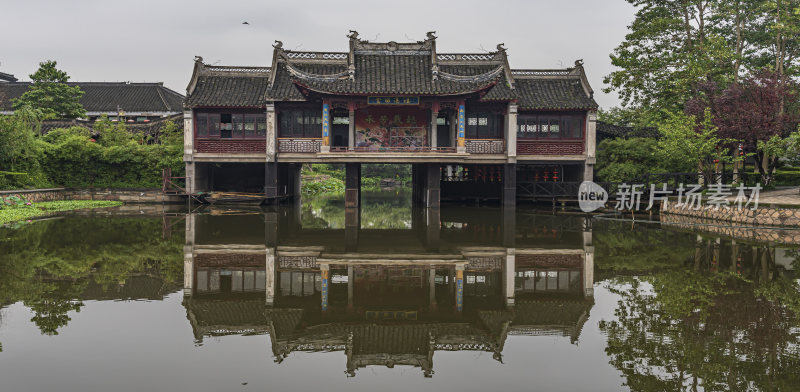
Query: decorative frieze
{"x": 302, "y": 145}
{"x": 231, "y": 146}
{"x": 485, "y": 146}
{"x": 547, "y": 147}
{"x": 553, "y": 260}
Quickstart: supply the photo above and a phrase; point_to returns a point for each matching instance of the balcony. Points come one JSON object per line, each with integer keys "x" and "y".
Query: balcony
{"x": 299, "y": 145}
{"x": 550, "y": 147}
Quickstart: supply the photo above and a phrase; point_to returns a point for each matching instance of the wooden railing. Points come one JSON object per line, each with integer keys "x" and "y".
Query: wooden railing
{"x": 301, "y": 145}
{"x": 393, "y": 149}
{"x": 169, "y": 184}
{"x": 485, "y": 146}
{"x": 550, "y": 147}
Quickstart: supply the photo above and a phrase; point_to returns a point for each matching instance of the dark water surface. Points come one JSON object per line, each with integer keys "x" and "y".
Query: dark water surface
{"x": 317, "y": 297}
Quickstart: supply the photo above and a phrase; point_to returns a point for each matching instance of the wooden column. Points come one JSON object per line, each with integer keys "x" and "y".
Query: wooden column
{"x": 326, "y": 127}
{"x": 351, "y": 135}
{"x": 461, "y": 130}
{"x": 434, "y": 127}
{"x": 509, "y": 226}
{"x": 459, "y": 287}
{"x": 325, "y": 273}
{"x": 272, "y": 132}
{"x": 352, "y": 226}
{"x": 432, "y": 228}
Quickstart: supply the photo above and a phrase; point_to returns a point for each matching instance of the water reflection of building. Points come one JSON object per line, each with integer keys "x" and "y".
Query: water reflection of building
{"x": 389, "y": 300}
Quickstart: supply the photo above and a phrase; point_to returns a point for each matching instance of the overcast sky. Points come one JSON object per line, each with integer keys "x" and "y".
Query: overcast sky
{"x": 156, "y": 40}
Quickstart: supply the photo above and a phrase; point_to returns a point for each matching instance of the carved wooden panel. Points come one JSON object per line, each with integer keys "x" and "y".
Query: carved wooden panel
{"x": 485, "y": 146}
{"x": 297, "y": 262}
{"x": 554, "y": 260}
{"x": 305, "y": 145}
{"x": 485, "y": 263}
{"x": 230, "y": 259}
{"x": 547, "y": 147}
{"x": 233, "y": 146}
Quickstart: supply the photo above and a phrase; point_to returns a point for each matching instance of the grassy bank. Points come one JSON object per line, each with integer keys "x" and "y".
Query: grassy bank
{"x": 21, "y": 212}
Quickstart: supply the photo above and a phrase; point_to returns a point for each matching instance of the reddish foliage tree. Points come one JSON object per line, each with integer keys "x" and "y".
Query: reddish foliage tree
{"x": 757, "y": 108}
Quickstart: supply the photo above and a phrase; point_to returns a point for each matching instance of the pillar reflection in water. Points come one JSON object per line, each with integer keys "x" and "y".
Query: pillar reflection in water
{"x": 457, "y": 270}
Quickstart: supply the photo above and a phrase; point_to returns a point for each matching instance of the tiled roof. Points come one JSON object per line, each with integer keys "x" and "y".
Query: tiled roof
{"x": 609, "y": 131}
{"x": 227, "y": 90}
{"x": 109, "y": 97}
{"x": 369, "y": 68}
{"x": 551, "y": 93}
{"x": 394, "y": 74}
{"x": 5, "y": 77}
{"x": 148, "y": 128}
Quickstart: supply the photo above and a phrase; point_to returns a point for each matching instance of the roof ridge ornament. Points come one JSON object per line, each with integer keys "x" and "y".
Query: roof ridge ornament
{"x": 434, "y": 58}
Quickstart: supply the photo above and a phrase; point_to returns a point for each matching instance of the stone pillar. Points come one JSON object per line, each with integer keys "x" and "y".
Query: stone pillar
{"x": 432, "y": 185}
{"x": 352, "y": 185}
{"x": 432, "y": 228}
{"x": 272, "y": 132}
{"x": 352, "y": 225}
{"x": 297, "y": 182}
{"x": 432, "y": 305}
{"x": 588, "y": 262}
{"x": 591, "y": 141}
{"x": 509, "y": 272}
{"x": 509, "y": 226}
{"x": 434, "y": 127}
{"x": 511, "y": 133}
{"x": 271, "y": 229}
{"x": 326, "y": 127}
{"x": 461, "y": 130}
{"x": 191, "y": 177}
{"x": 271, "y": 180}
{"x": 510, "y": 184}
{"x": 351, "y": 132}
{"x": 459, "y": 287}
{"x": 325, "y": 274}
{"x": 188, "y": 257}
{"x": 270, "y": 276}
{"x": 351, "y": 276}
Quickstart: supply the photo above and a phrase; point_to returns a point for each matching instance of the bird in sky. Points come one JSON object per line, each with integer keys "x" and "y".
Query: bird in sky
{"x": 245, "y": 22}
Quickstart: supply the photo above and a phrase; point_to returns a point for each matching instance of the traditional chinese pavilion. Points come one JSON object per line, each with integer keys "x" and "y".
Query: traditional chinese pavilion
{"x": 468, "y": 123}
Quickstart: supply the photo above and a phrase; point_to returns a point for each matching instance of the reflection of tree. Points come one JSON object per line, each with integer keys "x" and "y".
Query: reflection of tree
{"x": 52, "y": 304}
{"x": 379, "y": 210}
{"x": 621, "y": 246}
{"x": 49, "y": 264}
{"x": 684, "y": 330}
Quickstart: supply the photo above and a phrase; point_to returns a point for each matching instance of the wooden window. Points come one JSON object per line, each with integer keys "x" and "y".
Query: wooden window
{"x": 202, "y": 124}
{"x": 230, "y": 125}
{"x": 484, "y": 126}
{"x": 300, "y": 123}
{"x": 550, "y": 126}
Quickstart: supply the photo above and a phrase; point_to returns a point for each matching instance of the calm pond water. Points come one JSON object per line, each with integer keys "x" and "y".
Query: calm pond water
{"x": 316, "y": 297}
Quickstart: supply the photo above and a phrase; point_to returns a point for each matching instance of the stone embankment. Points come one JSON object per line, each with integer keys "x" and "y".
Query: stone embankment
{"x": 143, "y": 195}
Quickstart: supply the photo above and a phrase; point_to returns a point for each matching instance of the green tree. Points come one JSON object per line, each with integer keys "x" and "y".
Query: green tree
{"x": 691, "y": 145}
{"x": 51, "y": 94}
{"x": 670, "y": 47}
{"x": 626, "y": 160}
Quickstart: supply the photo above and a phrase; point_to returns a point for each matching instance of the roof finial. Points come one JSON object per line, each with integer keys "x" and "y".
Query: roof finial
{"x": 198, "y": 59}
{"x": 579, "y": 63}
{"x": 431, "y": 35}
{"x": 278, "y": 44}
{"x": 500, "y": 47}
{"x": 353, "y": 34}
